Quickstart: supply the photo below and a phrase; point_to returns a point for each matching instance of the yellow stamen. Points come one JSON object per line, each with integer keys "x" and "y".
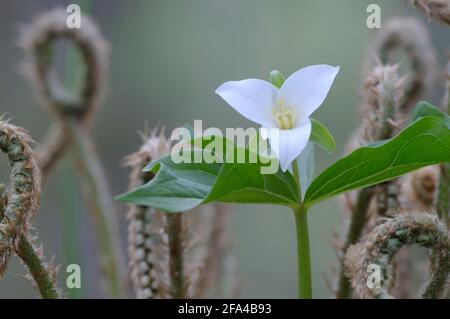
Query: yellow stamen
{"x": 284, "y": 115}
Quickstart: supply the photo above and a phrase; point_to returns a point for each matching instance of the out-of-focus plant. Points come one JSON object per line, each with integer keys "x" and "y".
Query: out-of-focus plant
{"x": 176, "y": 255}
{"x": 425, "y": 190}
{"x": 74, "y": 113}
{"x": 388, "y": 98}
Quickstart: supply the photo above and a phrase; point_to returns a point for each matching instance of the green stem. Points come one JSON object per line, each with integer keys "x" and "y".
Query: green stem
{"x": 70, "y": 223}
{"x": 55, "y": 150}
{"x": 303, "y": 252}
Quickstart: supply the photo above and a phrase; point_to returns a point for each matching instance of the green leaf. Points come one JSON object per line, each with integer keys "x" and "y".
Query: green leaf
{"x": 424, "y": 142}
{"x": 175, "y": 186}
{"x": 181, "y": 187}
{"x": 321, "y": 136}
{"x": 426, "y": 109}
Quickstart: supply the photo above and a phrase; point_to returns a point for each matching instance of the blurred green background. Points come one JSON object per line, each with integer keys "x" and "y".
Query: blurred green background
{"x": 167, "y": 59}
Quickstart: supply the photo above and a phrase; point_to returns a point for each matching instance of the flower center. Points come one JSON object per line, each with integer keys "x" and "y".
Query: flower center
{"x": 283, "y": 115}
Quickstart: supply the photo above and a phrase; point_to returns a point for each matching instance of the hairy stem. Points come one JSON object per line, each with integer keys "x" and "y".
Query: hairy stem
{"x": 37, "y": 268}
{"x": 438, "y": 283}
{"x": 443, "y": 194}
{"x": 27, "y": 253}
{"x": 101, "y": 207}
{"x": 358, "y": 221}
{"x": 174, "y": 230}
{"x": 52, "y": 149}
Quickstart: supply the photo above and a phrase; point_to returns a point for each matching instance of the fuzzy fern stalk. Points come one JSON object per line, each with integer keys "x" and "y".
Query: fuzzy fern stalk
{"x": 389, "y": 98}
{"x": 408, "y": 36}
{"x": 143, "y": 221}
{"x": 42, "y": 274}
{"x": 382, "y": 120}
{"x": 443, "y": 194}
{"x": 23, "y": 196}
{"x": 383, "y": 89}
{"x": 440, "y": 9}
{"x": 17, "y": 206}
{"x": 37, "y": 40}
{"x": 52, "y": 148}
{"x": 174, "y": 255}
{"x": 381, "y": 245}
{"x": 74, "y": 114}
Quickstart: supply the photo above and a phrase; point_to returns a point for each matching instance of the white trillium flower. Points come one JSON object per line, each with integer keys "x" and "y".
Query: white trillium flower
{"x": 286, "y": 109}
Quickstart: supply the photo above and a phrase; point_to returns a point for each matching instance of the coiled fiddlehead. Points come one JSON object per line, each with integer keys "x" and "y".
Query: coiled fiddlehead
{"x": 23, "y": 198}
{"x": 381, "y": 245}
{"x": 409, "y": 38}
{"x": 37, "y": 41}
{"x": 17, "y": 207}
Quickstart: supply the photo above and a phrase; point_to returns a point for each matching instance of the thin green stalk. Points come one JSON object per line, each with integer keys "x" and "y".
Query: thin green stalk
{"x": 303, "y": 254}
{"x": 71, "y": 223}
{"x": 101, "y": 208}
{"x": 37, "y": 268}
{"x": 303, "y": 251}
{"x": 70, "y": 217}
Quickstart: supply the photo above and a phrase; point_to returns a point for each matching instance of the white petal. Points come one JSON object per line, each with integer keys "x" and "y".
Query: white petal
{"x": 252, "y": 98}
{"x": 289, "y": 143}
{"x": 307, "y": 88}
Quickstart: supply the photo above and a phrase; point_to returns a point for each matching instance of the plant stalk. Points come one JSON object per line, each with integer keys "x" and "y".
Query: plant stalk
{"x": 174, "y": 230}
{"x": 100, "y": 206}
{"x": 303, "y": 254}
{"x": 27, "y": 253}
{"x": 37, "y": 268}
{"x": 358, "y": 221}
{"x": 303, "y": 251}
{"x": 443, "y": 193}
